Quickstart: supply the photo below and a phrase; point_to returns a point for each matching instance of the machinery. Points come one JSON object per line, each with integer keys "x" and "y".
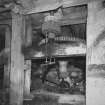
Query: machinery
{"x": 59, "y": 63}
{"x": 57, "y": 70}
{"x": 55, "y": 79}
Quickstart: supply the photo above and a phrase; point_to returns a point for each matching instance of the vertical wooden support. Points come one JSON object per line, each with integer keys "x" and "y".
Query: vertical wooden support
{"x": 7, "y": 65}
{"x": 95, "y": 29}
{"x": 27, "y": 71}
{"x": 27, "y": 78}
{"x": 95, "y": 81}
{"x": 17, "y": 61}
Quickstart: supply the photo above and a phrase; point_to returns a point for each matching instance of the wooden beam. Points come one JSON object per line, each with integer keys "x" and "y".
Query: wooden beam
{"x": 17, "y": 61}
{"x": 49, "y": 7}
{"x": 40, "y": 9}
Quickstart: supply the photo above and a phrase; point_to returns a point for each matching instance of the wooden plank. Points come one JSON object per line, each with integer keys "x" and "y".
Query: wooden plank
{"x": 17, "y": 61}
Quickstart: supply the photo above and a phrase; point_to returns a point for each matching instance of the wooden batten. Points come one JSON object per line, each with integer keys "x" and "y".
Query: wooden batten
{"x": 17, "y": 61}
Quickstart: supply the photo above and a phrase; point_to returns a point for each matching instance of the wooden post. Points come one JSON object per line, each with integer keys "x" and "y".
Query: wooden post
{"x": 27, "y": 71}
{"x": 95, "y": 80}
{"x": 27, "y": 78}
{"x": 17, "y": 61}
{"x": 7, "y": 65}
